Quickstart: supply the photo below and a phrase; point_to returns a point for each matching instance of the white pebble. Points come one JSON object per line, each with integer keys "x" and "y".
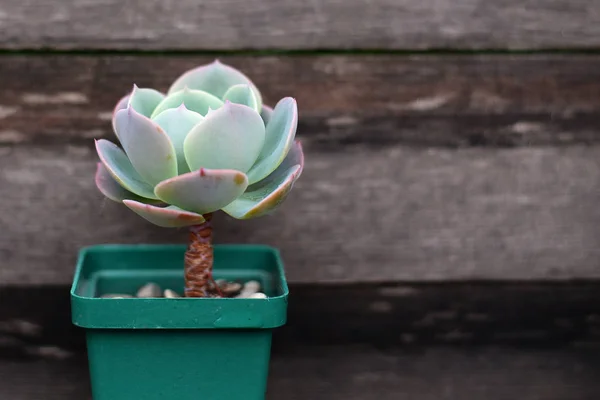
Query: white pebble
{"x": 171, "y": 294}
{"x": 116, "y": 296}
{"x": 149, "y": 290}
{"x": 258, "y": 295}
{"x": 251, "y": 287}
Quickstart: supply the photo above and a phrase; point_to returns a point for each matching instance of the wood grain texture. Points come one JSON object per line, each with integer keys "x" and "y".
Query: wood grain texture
{"x": 361, "y": 214}
{"x": 443, "y": 313}
{"x": 364, "y": 373}
{"x": 387, "y": 315}
{"x": 380, "y": 100}
{"x": 291, "y": 24}
{"x": 496, "y": 373}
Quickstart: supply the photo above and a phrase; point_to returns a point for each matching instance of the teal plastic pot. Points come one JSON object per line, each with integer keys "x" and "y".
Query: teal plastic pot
{"x": 184, "y": 348}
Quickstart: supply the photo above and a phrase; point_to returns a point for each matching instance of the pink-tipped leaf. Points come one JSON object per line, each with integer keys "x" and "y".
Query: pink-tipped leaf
{"x": 118, "y": 165}
{"x": 215, "y": 78}
{"x": 266, "y": 196}
{"x": 147, "y": 145}
{"x": 279, "y": 136}
{"x": 242, "y": 94}
{"x": 111, "y": 188}
{"x": 228, "y": 138}
{"x": 166, "y": 217}
{"x": 194, "y": 100}
{"x": 203, "y": 191}
{"x": 177, "y": 123}
{"x": 145, "y": 100}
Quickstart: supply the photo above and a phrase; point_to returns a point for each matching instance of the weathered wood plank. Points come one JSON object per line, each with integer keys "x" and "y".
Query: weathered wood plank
{"x": 496, "y": 373}
{"x": 290, "y": 24}
{"x": 383, "y": 314}
{"x": 362, "y": 373}
{"x": 381, "y": 100}
{"x": 360, "y": 214}
{"x": 447, "y": 313}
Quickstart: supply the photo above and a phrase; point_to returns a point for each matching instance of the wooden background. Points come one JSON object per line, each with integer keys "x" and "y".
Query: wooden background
{"x": 444, "y": 140}
{"x": 452, "y": 153}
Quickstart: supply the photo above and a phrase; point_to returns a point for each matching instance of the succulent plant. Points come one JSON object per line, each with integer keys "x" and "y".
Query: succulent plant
{"x": 208, "y": 144}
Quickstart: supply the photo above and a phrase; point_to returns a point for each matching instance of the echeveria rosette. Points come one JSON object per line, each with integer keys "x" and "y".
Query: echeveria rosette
{"x": 208, "y": 144}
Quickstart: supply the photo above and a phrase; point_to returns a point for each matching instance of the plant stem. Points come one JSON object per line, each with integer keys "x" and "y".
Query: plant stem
{"x": 199, "y": 261}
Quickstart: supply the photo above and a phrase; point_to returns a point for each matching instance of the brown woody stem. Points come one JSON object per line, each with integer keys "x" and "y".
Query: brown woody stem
{"x": 199, "y": 261}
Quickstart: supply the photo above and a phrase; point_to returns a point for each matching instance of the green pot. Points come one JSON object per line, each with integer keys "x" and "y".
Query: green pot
{"x": 184, "y": 348}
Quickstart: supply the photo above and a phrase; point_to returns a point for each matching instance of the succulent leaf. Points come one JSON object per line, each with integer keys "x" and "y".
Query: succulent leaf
{"x": 242, "y": 94}
{"x": 121, "y": 104}
{"x": 111, "y": 188}
{"x": 145, "y": 100}
{"x": 265, "y": 113}
{"x": 194, "y": 100}
{"x": 265, "y": 196}
{"x": 294, "y": 157}
{"x": 215, "y": 78}
{"x": 263, "y": 199}
{"x": 177, "y": 123}
{"x": 148, "y": 147}
{"x": 120, "y": 168}
{"x": 203, "y": 191}
{"x": 166, "y": 217}
{"x": 279, "y": 136}
{"x": 228, "y": 138}
{"x": 241, "y": 153}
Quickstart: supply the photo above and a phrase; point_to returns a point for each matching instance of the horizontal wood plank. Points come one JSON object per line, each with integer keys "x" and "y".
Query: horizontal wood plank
{"x": 361, "y": 214}
{"x": 364, "y": 373}
{"x": 391, "y": 314}
{"x": 290, "y": 24}
{"x": 489, "y": 373}
{"x": 378, "y": 100}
